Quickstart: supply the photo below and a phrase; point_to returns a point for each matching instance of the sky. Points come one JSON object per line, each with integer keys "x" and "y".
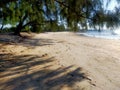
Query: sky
{"x": 111, "y": 5}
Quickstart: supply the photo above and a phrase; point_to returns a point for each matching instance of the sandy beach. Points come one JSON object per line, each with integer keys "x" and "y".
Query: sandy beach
{"x": 59, "y": 61}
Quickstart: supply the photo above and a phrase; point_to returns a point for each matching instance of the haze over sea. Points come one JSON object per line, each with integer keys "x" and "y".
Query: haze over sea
{"x": 107, "y": 34}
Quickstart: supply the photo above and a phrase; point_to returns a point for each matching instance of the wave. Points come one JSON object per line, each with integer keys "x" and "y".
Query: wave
{"x": 107, "y": 34}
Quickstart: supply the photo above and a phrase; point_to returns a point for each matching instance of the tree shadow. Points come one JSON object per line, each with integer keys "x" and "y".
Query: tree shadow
{"x": 33, "y": 72}
{"x": 37, "y": 42}
{"x": 25, "y": 41}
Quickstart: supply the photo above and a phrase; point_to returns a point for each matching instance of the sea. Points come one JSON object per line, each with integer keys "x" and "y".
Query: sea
{"x": 106, "y": 34}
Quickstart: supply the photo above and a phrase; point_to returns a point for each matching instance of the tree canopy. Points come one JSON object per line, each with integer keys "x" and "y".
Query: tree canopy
{"x": 54, "y": 15}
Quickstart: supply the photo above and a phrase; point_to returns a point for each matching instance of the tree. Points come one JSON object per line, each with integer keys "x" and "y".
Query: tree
{"x": 37, "y": 15}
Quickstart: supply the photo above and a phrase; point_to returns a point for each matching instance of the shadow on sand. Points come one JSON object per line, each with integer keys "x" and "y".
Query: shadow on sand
{"x": 30, "y": 72}
{"x": 25, "y": 41}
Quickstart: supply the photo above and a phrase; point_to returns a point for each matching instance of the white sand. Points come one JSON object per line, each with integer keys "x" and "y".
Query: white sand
{"x": 98, "y": 59}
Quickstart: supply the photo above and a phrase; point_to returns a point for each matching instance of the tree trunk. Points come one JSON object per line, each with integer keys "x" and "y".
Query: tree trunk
{"x": 99, "y": 29}
{"x": 1, "y": 27}
{"x": 20, "y": 25}
{"x": 18, "y": 29}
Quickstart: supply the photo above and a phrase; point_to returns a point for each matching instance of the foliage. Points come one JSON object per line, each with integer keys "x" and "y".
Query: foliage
{"x": 45, "y": 15}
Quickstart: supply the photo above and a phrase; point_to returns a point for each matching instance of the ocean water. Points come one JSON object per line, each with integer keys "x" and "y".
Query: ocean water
{"x": 107, "y": 34}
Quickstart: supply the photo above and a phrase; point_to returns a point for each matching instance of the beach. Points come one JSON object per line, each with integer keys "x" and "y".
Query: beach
{"x": 59, "y": 61}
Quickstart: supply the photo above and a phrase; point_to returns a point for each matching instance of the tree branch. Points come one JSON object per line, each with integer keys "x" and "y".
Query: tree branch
{"x": 79, "y": 15}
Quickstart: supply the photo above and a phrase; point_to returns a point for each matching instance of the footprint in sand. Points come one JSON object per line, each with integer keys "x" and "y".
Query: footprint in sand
{"x": 61, "y": 65}
{"x": 44, "y": 55}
